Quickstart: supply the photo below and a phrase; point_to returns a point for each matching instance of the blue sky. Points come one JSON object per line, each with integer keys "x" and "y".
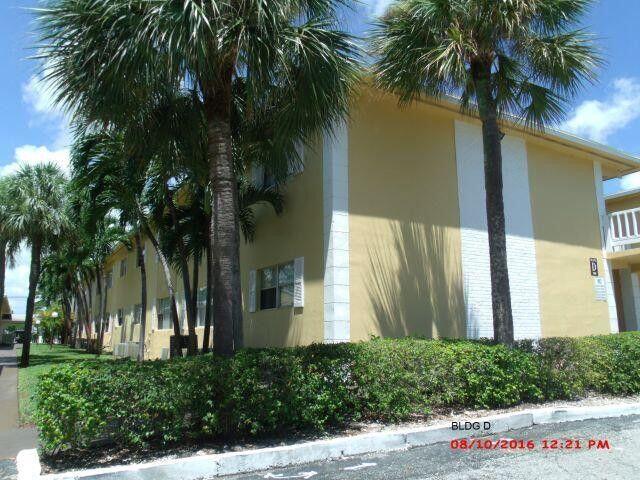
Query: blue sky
{"x": 31, "y": 130}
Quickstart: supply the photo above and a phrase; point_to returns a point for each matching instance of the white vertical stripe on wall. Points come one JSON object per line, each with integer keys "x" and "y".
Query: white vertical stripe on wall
{"x": 335, "y": 187}
{"x": 521, "y": 254}
{"x": 473, "y": 231}
{"x": 602, "y": 216}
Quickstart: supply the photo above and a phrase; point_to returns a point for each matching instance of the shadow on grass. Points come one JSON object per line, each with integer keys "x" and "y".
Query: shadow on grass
{"x": 45, "y": 355}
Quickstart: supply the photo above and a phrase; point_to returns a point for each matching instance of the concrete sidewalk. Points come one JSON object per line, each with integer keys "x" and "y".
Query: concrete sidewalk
{"x": 12, "y": 438}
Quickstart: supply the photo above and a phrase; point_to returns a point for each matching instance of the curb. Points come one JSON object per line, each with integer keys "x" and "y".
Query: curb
{"x": 195, "y": 467}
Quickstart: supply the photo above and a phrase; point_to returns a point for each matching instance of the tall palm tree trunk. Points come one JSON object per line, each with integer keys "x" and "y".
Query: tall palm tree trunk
{"x": 194, "y": 291}
{"x": 192, "y": 348}
{"x": 143, "y": 298}
{"x": 34, "y": 275}
{"x": 86, "y": 293}
{"x": 100, "y": 291}
{"x": 66, "y": 314}
{"x": 177, "y": 351}
{"x": 491, "y": 137}
{"x": 82, "y": 312}
{"x": 105, "y": 320}
{"x": 207, "y": 309}
{"x": 3, "y": 268}
{"x": 224, "y": 231}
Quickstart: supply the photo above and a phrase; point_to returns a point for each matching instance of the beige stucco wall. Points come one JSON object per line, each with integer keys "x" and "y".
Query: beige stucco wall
{"x": 566, "y": 227}
{"x": 404, "y": 222}
{"x": 279, "y": 239}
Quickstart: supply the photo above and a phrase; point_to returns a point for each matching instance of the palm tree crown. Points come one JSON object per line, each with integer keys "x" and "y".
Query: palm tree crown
{"x": 526, "y": 50}
{"x": 38, "y": 205}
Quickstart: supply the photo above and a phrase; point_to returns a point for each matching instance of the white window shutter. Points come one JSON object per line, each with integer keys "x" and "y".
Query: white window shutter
{"x": 252, "y": 291}
{"x": 298, "y": 282}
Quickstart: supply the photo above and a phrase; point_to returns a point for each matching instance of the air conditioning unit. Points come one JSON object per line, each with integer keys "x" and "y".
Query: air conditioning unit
{"x": 120, "y": 350}
{"x": 132, "y": 350}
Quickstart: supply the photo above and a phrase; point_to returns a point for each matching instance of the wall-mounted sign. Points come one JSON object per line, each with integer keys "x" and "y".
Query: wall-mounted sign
{"x": 593, "y": 266}
{"x": 600, "y": 289}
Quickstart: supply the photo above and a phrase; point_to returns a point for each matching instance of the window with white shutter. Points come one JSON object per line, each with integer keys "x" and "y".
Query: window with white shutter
{"x": 202, "y": 306}
{"x": 276, "y": 286}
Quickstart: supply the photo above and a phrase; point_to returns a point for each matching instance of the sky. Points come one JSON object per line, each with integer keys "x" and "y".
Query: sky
{"x": 32, "y": 130}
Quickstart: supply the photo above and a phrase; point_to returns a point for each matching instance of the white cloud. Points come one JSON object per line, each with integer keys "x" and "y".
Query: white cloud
{"x": 377, "y": 7}
{"x": 32, "y": 155}
{"x": 17, "y": 282}
{"x": 631, "y": 181}
{"x": 597, "y": 120}
{"x": 40, "y": 97}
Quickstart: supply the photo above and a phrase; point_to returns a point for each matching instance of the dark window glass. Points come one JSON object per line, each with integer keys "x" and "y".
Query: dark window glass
{"x": 268, "y": 298}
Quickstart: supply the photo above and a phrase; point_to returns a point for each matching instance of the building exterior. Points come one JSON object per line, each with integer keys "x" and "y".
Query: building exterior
{"x": 623, "y": 251}
{"x": 384, "y": 234}
{"x": 9, "y": 323}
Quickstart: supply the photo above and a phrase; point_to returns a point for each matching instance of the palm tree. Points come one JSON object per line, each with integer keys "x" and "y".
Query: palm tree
{"x": 56, "y": 285}
{"x": 37, "y": 217}
{"x": 115, "y": 179}
{"x": 103, "y": 54}
{"x": 521, "y": 59}
{"x": 9, "y": 242}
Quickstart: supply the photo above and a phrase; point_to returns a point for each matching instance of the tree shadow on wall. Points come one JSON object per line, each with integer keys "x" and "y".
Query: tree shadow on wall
{"x": 415, "y": 285}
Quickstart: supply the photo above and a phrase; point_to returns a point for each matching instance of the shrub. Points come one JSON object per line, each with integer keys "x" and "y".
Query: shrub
{"x": 270, "y": 391}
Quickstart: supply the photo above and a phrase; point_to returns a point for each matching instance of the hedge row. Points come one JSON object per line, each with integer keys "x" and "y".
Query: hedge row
{"x": 268, "y": 391}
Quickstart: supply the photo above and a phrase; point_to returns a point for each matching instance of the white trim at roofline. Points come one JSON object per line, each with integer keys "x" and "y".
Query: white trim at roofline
{"x": 632, "y": 162}
{"x": 622, "y": 194}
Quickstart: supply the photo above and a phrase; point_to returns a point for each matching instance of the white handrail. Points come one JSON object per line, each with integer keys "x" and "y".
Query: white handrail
{"x": 624, "y": 227}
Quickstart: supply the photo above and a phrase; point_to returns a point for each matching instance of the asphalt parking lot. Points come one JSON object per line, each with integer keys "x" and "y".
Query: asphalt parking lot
{"x": 617, "y": 458}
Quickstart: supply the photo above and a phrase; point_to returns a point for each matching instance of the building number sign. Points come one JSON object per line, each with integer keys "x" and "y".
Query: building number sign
{"x": 593, "y": 266}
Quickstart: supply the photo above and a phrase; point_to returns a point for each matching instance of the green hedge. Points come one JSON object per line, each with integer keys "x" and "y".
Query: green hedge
{"x": 272, "y": 391}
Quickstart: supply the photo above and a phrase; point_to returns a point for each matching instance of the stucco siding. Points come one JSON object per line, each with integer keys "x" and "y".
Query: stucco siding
{"x": 566, "y": 228}
{"x": 298, "y": 232}
{"x": 403, "y": 222}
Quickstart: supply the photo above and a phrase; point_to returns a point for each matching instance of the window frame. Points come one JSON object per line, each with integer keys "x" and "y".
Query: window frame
{"x": 137, "y": 314}
{"x": 278, "y": 286}
{"x": 160, "y": 313}
{"x": 201, "y": 306}
{"x": 123, "y": 267}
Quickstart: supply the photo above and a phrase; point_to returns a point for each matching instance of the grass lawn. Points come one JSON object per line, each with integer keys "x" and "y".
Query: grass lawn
{"x": 42, "y": 359}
